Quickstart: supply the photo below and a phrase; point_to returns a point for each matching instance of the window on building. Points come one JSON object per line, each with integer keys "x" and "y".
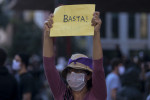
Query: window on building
{"x": 131, "y": 25}
{"x": 143, "y": 26}
{"x": 115, "y": 25}
{"x": 103, "y": 32}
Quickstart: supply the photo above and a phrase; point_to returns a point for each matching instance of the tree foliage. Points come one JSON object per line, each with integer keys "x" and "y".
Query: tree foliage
{"x": 27, "y": 38}
{"x": 4, "y": 20}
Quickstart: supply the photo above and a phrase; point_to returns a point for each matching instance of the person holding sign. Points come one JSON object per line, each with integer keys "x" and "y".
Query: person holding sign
{"x": 84, "y": 76}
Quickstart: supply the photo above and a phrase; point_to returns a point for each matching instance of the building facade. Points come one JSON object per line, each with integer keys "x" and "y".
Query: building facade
{"x": 129, "y": 31}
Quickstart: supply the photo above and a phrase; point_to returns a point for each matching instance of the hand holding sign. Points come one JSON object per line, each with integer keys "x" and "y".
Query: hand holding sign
{"x": 48, "y": 24}
{"x": 96, "y": 22}
{"x": 73, "y": 20}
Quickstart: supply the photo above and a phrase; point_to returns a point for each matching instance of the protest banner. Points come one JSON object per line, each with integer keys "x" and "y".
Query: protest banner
{"x": 73, "y": 20}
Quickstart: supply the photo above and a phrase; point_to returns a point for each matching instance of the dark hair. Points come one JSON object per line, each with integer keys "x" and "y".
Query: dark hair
{"x": 3, "y": 56}
{"x": 24, "y": 58}
{"x": 89, "y": 82}
{"x": 115, "y": 63}
{"x": 131, "y": 77}
{"x": 68, "y": 94}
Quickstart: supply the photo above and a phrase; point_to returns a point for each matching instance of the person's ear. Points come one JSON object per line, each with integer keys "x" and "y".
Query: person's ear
{"x": 88, "y": 77}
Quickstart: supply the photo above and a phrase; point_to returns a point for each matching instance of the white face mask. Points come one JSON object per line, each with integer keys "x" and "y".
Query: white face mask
{"x": 76, "y": 81}
{"x": 16, "y": 65}
{"x": 121, "y": 70}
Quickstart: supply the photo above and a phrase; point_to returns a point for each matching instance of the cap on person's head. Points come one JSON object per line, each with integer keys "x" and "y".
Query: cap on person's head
{"x": 24, "y": 58}
{"x": 3, "y": 56}
{"x": 78, "y": 61}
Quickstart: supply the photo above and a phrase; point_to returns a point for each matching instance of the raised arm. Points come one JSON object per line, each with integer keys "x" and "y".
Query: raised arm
{"x": 97, "y": 48}
{"x": 48, "y": 49}
{"x": 98, "y": 76}
{"x": 56, "y": 84}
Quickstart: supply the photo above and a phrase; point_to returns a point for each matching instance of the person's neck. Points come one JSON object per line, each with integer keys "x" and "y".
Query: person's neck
{"x": 116, "y": 72}
{"x": 79, "y": 95}
{"x": 22, "y": 71}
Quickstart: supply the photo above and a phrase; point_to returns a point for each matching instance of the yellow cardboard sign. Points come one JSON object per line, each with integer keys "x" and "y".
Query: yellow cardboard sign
{"x": 73, "y": 20}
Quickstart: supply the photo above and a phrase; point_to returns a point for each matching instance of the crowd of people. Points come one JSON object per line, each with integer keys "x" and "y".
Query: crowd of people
{"x": 126, "y": 79}
{"x": 82, "y": 79}
{"x": 23, "y": 79}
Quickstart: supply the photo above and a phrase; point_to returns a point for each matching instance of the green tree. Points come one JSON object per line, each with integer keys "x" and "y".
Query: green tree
{"x": 27, "y": 38}
{"x": 4, "y": 20}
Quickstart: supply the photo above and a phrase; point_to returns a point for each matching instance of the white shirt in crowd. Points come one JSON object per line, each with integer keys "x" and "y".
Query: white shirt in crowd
{"x": 148, "y": 97}
{"x": 112, "y": 82}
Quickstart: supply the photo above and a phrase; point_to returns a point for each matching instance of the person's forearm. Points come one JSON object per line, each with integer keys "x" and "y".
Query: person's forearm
{"x": 48, "y": 50}
{"x": 113, "y": 94}
{"x": 97, "y": 48}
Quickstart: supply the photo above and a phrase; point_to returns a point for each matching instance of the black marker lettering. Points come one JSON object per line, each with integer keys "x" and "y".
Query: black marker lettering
{"x": 78, "y": 18}
{"x": 65, "y": 18}
{"x": 70, "y": 19}
{"x": 74, "y": 19}
{"x": 82, "y": 18}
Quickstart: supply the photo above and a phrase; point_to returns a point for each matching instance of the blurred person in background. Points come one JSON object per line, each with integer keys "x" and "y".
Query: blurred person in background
{"x": 118, "y": 51}
{"x": 41, "y": 85}
{"x": 112, "y": 80}
{"x": 37, "y": 72}
{"x": 148, "y": 88}
{"x": 8, "y": 84}
{"x": 26, "y": 80}
{"x": 61, "y": 63}
{"x": 130, "y": 86}
{"x": 146, "y": 69}
{"x": 145, "y": 78}
{"x": 84, "y": 81}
